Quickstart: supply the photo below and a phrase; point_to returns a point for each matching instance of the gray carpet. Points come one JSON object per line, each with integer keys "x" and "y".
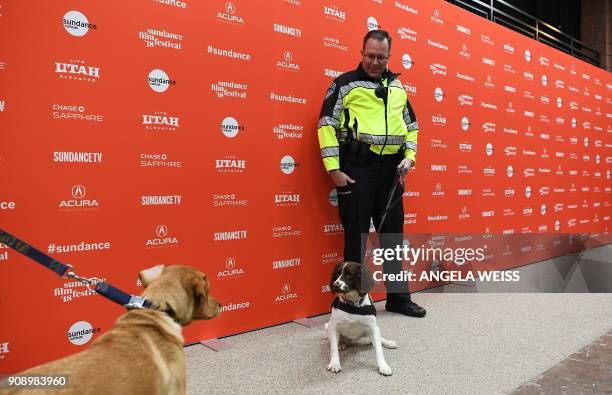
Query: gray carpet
{"x": 467, "y": 344}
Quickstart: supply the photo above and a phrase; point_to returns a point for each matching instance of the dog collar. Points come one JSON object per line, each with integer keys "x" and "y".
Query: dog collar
{"x": 352, "y": 309}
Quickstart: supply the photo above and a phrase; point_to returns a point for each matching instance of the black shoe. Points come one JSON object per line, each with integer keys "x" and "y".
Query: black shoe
{"x": 408, "y": 308}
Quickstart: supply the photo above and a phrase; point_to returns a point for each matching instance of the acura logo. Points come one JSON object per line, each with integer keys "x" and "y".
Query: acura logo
{"x": 230, "y": 263}
{"x": 78, "y": 191}
{"x": 286, "y": 288}
{"x": 161, "y": 231}
{"x": 288, "y": 56}
{"x": 230, "y": 8}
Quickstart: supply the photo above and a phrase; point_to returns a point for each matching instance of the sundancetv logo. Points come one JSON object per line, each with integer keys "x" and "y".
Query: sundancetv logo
{"x": 77, "y": 24}
{"x": 159, "y": 81}
{"x": 81, "y": 333}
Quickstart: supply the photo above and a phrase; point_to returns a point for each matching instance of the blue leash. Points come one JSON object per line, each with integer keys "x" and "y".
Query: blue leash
{"x": 67, "y": 271}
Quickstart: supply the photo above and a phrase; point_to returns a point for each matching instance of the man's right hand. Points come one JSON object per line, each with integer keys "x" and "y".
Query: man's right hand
{"x": 340, "y": 179}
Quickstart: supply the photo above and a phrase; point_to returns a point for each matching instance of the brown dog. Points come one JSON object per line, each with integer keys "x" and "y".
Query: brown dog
{"x": 143, "y": 352}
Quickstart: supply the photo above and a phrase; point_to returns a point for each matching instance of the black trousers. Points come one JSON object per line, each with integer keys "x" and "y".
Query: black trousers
{"x": 366, "y": 199}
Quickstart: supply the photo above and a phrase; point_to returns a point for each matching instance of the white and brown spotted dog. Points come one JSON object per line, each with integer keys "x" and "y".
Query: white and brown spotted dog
{"x": 353, "y": 316}
{"x": 143, "y": 352}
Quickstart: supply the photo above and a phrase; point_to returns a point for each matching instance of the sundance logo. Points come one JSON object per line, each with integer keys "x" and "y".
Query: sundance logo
{"x": 162, "y": 239}
{"x": 235, "y": 306}
{"x": 161, "y": 38}
{"x": 440, "y": 168}
{"x": 288, "y": 164}
{"x": 77, "y": 24}
{"x": 288, "y": 30}
{"x": 81, "y": 333}
{"x": 466, "y": 100}
{"x": 287, "y": 295}
{"x": 77, "y": 70}
{"x": 230, "y": 127}
{"x": 79, "y": 201}
{"x": 160, "y": 122}
{"x": 159, "y": 80}
{"x": 407, "y": 61}
{"x": 288, "y": 131}
{"x": 229, "y": 15}
{"x": 231, "y": 271}
{"x": 406, "y": 33}
{"x": 229, "y": 89}
{"x": 77, "y": 157}
{"x": 438, "y": 69}
{"x": 489, "y": 127}
{"x": 372, "y": 23}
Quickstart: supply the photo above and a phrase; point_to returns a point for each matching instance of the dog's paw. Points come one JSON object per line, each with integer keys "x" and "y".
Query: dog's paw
{"x": 384, "y": 369}
{"x": 334, "y": 366}
{"x": 389, "y": 344}
{"x": 342, "y": 346}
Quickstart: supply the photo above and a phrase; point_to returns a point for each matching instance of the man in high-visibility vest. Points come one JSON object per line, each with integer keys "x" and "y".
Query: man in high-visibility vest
{"x": 367, "y": 133}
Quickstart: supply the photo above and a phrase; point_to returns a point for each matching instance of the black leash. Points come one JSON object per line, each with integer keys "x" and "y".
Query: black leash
{"x": 390, "y": 203}
{"x": 67, "y": 271}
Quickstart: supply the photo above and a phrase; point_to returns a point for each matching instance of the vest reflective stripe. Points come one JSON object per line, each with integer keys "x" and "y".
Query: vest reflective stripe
{"x": 413, "y": 126}
{"x": 330, "y": 151}
{"x": 410, "y": 145}
{"x": 374, "y": 139}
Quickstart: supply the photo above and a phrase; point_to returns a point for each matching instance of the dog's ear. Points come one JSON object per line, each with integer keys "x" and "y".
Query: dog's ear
{"x": 366, "y": 282}
{"x": 335, "y": 273}
{"x": 205, "y": 306}
{"x": 149, "y": 275}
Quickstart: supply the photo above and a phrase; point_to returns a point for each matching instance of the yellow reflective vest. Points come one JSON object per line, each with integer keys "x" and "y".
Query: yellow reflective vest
{"x": 354, "y": 101}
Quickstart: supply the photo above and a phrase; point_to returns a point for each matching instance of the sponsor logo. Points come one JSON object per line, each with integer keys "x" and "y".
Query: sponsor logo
{"x": 229, "y": 15}
{"x": 465, "y": 100}
{"x": 406, "y": 8}
{"x": 79, "y": 202}
{"x": 161, "y": 200}
{"x": 335, "y": 43}
{"x": 488, "y": 171}
{"x": 438, "y": 143}
{"x": 287, "y": 30}
{"x": 407, "y": 61}
{"x": 440, "y": 168}
{"x": 228, "y": 53}
{"x": 509, "y": 48}
{"x": 159, "y": 80}
{"x": 437, "y": 69}
{"x": 489, "y": 127}
{"x": 464, "y": 169}
{"x": 435, "y": 18}
{"x": 410, "y": 219}
{"x": 464, "y": 30}
{"x": 509, "y": 192}
{"x": 230, "y": 127}
{"x": 285, "y": 263}
{"x": 437, "y": 45}
{"x": 77, "y": 24}
{"x": 287, "y": 98}
{"x": 288, "y": 131}
{"x": 488, "y": 83}
{"x": 334, "y": 14}
{"x": 77, "y": 70}
{"x": 288, "y": 164}
{"x": 438, "y": 192}
{"x": 438, "y": 94}
{"x": 529, "y": 172}
{"x": 158, "y": 160}
{"x": 465, "y": 147}
{"x": 488, "y": 105}
{"x": 464, "y": 214}
{"x": 465, "y": 77}
{"x": 372, "y": 24}
{"x": 528, "y": 75}
{"x": 486, "y": 39}
{"x": 175, "y": 3}
{"x": 406, "y": 33}
{"x": 544, "y": 80}
{"x": 488, "y": 61}
{"x": 70, "y": 112}
{"x": 229, "y": 89}
{"x": 287, "y": 294}
{"x": 231, "y": 235}
{"x": 77, "y": 157}
{"x": 432, "y": 218}
{"x": 161, "y": 38}
{"x": 333, "y": 229}
{"x": 510, "y": 151}
{"x": 81, "y": 333}
{"x": 508, "y": 68}
{"x": 228, "y": 200}
{"x": 286, "y": 63}
{"x": 288, "y": 199}
{"x": 438, "y": 120}
{"x": 231, "y": 271}
{"x": 410, "y": 89}
{"x": 285, "y": 231}
{"x": 464, "y": 192}
{"x": 162, "y": 239}
{"x": 230, "y": 165}
{"x": 160, "y": 121}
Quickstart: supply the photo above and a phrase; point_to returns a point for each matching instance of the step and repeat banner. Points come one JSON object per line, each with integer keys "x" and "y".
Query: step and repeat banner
{"x": 184, "y": 132}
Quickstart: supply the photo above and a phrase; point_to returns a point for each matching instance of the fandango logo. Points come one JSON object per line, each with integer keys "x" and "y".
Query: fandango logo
{"x": 78, "y": 193}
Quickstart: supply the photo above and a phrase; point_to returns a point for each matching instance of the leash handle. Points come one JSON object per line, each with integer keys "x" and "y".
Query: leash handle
{"x": 32, "y": 253}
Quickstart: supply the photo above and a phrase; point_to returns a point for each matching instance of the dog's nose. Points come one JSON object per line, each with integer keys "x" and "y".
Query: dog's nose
{"x": 340, "y": 284}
